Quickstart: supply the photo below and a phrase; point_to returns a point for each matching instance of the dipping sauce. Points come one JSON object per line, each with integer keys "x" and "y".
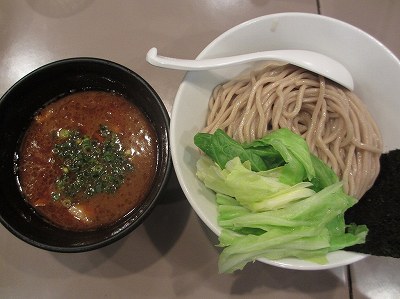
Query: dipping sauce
{"x": 116, "y": 130}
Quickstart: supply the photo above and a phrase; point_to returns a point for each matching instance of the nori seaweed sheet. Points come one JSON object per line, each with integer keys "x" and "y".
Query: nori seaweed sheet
{"x": 379, "y": 209}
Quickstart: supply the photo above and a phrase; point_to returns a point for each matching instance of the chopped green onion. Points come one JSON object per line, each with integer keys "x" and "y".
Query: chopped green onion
{"x": 89, "y": 166}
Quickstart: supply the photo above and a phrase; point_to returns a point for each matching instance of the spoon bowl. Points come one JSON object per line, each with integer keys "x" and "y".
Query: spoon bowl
{"x": 309, "y": 60}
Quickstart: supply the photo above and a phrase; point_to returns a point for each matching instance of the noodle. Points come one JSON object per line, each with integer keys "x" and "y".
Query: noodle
{"x": 334, "y": 122}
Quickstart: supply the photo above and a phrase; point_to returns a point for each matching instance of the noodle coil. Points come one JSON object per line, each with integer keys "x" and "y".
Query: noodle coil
{"x": 335, "y": 123}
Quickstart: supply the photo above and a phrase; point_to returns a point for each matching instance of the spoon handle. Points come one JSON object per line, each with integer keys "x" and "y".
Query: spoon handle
{"x": 312, "y": 61}
{"x": 208, "y": 64}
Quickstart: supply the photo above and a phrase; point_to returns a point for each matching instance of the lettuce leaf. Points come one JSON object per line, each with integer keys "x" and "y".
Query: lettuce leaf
{"x": 288, "y": 242}
{"x": 293, "y": 149}
{"x": 324, "y": 175}
{"x": 280, "y": 147}
{"x": 267, "y": 192}
{"x": 221, "y": 148}
{"x": 320, "y": 209}
{"x": 291, "y": 207}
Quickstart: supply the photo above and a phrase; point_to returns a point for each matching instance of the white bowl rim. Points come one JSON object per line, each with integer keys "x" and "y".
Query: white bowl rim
{"x": 203, "y": 53}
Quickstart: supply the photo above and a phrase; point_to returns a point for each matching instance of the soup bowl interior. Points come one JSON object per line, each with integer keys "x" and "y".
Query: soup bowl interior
{"x": 376, "y": 72}
{"x": 17, "y": 107}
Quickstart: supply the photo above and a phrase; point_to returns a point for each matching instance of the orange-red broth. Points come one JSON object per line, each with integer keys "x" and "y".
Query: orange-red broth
{"x": 86, "y": 111}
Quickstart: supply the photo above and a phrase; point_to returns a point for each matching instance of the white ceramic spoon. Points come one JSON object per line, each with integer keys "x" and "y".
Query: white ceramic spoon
{"x": 309, "y": 60}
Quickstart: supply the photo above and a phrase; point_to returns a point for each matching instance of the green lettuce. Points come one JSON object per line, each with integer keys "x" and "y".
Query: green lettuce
{"x": 281, "y": 147}
{"x": 236, "y": 180}
{"x": 291, "y": 207}
{"x": 294, "y": 151}
{"x": 221, "y": 149}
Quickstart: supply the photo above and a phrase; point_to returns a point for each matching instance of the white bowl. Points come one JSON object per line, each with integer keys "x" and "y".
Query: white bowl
{"x": 376, "y": 72}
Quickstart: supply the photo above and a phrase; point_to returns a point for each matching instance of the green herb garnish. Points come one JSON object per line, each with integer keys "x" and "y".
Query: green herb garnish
{"x": 89, "y": 166}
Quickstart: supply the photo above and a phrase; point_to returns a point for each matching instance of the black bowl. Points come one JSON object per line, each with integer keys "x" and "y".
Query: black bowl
{"x": 17, "y": 107}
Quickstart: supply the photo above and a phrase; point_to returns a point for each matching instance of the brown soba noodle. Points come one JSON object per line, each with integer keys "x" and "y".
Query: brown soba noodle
{"x": 334, "y": 122}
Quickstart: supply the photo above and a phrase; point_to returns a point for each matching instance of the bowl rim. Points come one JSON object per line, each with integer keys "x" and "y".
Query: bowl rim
{"x": 165, "y": 165}
{"x": 293, "y": 14}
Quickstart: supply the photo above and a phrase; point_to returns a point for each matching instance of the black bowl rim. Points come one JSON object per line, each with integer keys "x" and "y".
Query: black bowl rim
{"x": 167, "y": 167}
